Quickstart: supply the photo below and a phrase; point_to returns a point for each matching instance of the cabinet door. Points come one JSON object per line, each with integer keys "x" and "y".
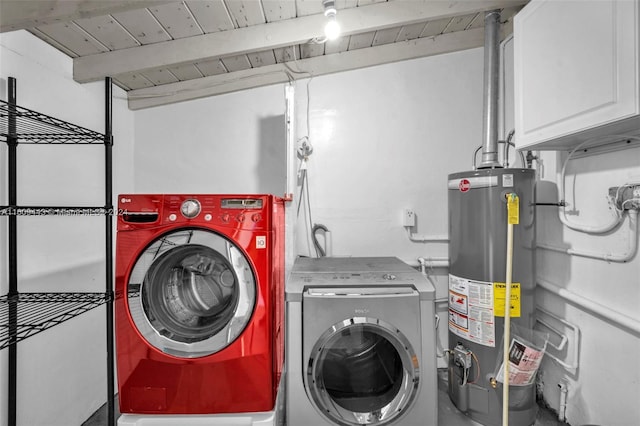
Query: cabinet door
{"x": 576, "y": 71}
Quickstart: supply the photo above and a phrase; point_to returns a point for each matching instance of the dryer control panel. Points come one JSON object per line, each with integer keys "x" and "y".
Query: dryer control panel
{"x": 351, "y": 272}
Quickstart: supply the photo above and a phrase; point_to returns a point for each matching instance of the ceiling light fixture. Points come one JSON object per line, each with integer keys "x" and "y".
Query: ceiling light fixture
{"x": 332, "y": 28}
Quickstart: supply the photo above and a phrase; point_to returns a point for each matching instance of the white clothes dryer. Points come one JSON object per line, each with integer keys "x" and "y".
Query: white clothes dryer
{"x": 360, "y": 344}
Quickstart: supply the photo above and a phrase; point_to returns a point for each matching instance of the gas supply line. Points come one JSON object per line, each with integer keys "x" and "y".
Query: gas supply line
{"x": 513, "y": 218}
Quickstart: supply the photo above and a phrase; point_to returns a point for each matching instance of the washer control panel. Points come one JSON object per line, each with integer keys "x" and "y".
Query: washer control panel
{"x": 236, "y": 211}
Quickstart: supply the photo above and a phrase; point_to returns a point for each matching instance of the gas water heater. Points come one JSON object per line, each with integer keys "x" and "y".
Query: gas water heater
{"x": 478, "y": 254}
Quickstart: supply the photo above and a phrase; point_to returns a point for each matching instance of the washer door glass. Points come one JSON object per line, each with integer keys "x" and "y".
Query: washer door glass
{"x": 362, "y": 371}
{"x": 191, "y": 293}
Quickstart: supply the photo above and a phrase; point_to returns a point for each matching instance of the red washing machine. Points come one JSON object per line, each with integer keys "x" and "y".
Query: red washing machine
{"x": 199, "y": 303}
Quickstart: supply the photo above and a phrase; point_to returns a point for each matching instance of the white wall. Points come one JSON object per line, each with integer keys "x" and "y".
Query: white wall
{"x": 384, "y": 139}
{"x": 606, "y": 378}
{"x": 232, "y": 143}
{"x": 61, "y": 372}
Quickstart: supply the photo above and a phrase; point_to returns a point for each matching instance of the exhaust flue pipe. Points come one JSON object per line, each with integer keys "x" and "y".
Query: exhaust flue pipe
{"x": 491, "y": 89}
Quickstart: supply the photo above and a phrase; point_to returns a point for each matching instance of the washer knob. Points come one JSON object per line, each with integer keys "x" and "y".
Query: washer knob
{"x": 240, "y": 218}
{"x": 190, "y": 208}
{"x": 256, "y": 217}
{"x": 226, "y": 217}
{"x": 172, "y": 217}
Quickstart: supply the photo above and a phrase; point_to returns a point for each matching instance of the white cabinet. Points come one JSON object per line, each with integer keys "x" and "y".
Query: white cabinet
{"x": 576, "y": 71}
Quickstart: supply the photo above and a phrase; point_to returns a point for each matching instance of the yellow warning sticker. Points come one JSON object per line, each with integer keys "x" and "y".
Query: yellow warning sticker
{"x": 513, "y": 209}
{"x": 499, "y": 296}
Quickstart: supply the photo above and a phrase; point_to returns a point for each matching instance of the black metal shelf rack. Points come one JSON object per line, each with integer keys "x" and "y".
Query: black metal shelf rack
{"x": 23, "y": 315}
{"x": 37, "y": 312}
{"x": 28, "y": 126}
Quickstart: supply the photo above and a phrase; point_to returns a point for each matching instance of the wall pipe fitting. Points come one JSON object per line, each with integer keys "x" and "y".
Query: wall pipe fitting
{"x": 417, "y": 238}
{"x": 433, "y": 262}
{"x": 563, "y": 402}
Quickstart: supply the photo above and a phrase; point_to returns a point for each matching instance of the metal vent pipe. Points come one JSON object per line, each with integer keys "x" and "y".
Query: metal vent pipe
{"x": 491, "y": 89}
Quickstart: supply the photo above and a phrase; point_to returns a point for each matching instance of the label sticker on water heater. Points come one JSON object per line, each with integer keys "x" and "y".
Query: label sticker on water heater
{"x": 471, "y": 310}
{"x": 499, "y": 296}
{"x": 507, "y": 181}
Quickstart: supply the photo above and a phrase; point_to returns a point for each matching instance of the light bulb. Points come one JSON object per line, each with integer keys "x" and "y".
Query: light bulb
{"x": 332, "y": 28}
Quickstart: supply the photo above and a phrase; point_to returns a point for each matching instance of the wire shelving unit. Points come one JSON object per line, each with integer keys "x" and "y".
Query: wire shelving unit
{"x": 23, "y": 315}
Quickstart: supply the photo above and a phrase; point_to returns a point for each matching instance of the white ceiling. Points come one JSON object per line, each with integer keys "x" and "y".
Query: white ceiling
{"x": 162, "y": 52}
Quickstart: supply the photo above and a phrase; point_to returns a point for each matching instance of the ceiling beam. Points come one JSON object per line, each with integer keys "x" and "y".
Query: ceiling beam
{"x": 306, "y": 68}
{"x": 26, "y": 14}
{"x": 270, "y": 36}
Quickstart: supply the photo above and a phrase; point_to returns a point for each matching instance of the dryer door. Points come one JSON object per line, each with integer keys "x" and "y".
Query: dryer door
{"x": 191, "y": 293}
{"x": 362, "y": 371}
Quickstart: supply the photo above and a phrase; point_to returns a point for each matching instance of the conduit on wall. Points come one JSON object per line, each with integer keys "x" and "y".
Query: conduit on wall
{"x": 609, "y": 257}
{"x": 417, "y": 238}
{"x": 620, "y": 320}
{"x": 429, "y": 262}
{"x": 574, "y": 342}
{"x": 589, "y": 229}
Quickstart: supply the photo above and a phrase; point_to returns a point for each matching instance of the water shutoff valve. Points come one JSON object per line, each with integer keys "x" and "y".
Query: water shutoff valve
{"x": 626, "y": 197}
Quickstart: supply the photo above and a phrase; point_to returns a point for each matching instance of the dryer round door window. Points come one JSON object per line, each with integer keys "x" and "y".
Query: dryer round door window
{"x": 362, "y": 371}
{"x": 191, "y": 293}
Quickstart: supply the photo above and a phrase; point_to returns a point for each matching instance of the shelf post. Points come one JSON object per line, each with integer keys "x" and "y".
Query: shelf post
{"x": 108, "y": 202}
{"x": 12, "y": 142}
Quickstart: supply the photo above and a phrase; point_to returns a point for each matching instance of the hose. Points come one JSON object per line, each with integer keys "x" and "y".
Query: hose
{"x": 509, "y": 142}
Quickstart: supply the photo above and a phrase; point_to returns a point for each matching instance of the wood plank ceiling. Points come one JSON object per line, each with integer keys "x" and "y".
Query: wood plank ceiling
{"x": 162, "y": 52}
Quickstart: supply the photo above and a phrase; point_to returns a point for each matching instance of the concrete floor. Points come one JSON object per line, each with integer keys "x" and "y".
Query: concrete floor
{"x": 448, "y": 414}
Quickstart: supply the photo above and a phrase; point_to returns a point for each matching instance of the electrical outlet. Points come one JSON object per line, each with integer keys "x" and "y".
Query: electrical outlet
{"x": 408, "y": 217}
{"x": 626, "y": 197}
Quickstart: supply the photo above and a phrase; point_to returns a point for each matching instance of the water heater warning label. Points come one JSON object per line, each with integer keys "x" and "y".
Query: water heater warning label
{"x": 499, "y": 296}
{"x": 471, "y": 310}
